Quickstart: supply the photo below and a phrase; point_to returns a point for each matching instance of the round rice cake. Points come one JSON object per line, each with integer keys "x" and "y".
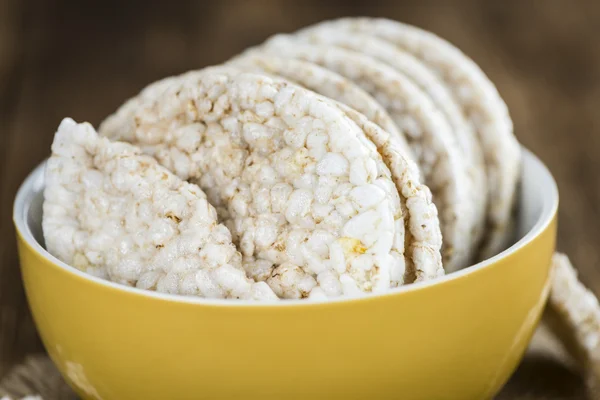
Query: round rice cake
{"x": 426, "y": 129}
{"x": 324, "y": 82}
{"x": 431, "y": 84}
{"x": 573, "y": 313}
{"x": 421, "y": 220}
{"x": 306, "y": 195}
{"x": 115, "y": 213}
{"x": 481, "y": 103}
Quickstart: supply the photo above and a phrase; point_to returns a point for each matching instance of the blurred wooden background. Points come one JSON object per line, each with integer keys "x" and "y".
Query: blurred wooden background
{"x": 82, "y": 59}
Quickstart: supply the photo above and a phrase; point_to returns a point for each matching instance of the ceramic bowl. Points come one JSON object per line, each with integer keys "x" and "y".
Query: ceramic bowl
{"x": 457, "y": 337}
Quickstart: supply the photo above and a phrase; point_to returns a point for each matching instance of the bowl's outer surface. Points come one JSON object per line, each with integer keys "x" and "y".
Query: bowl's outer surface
{"x": 458, "y": 339}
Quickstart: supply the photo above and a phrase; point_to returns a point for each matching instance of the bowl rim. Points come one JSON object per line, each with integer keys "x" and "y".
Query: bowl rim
{"x": 549, "y": 209}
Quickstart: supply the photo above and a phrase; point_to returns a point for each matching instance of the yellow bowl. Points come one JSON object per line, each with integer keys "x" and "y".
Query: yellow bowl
{"x": 458, "y": 337}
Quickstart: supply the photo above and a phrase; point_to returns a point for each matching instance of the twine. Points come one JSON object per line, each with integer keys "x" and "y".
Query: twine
{"x": 37, "y": 376}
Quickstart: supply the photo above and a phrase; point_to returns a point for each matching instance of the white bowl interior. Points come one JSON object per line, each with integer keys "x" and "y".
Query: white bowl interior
{"x": 538, "y": 201}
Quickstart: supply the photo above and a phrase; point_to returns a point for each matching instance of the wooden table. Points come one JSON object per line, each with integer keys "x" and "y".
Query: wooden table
{"x": 70, "y": 58}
